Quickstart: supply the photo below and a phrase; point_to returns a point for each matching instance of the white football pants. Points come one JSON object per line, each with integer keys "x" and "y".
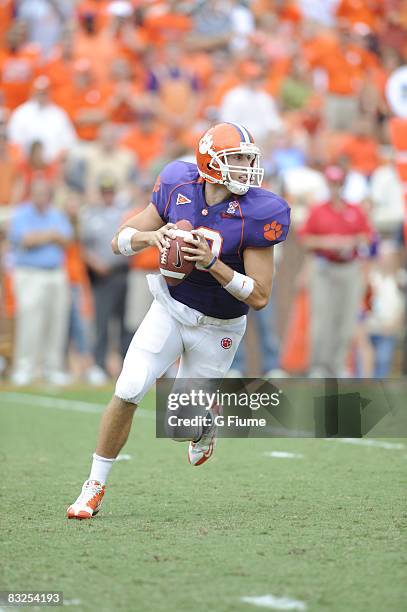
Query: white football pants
{"x": 170, "y": 329}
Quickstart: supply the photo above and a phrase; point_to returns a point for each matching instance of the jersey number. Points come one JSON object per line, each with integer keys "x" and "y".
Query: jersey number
{"x": 215, "y": 242}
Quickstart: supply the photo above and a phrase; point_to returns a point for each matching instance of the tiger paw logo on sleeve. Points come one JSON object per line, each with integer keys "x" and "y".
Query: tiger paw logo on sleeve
{"x": 272, "y": 231}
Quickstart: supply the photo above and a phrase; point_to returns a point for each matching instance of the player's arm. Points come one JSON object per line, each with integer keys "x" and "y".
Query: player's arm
{"x": 143, "y": 230}
{"x": 254, "y": 287}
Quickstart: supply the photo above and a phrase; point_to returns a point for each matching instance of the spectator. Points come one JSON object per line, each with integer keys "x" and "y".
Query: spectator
{"x": 58, "y": 66}
{"x": 18, "y": 67}
{"x": 385, "y": 320}
{"x": 333, "y": 233}
{"x": 296, "y": 87}
{"x": 163, "y": 22}
{"x": 128, "y": 98}
{"x": 38, "y": 235}
{"x": 287, "y": 152}
{"x": 99, "y": 36}
{"x": 321, "y": 11}
{"x": 343, "y": 61}
{"x": 45, "y": 20}
{"x": 386, "y": 192}
{"x": 243, "y": 25}
{"x": 361, "y": 147}
{"x": 147, "y": 140}
{"x": 84, "y": 99}
{"x": 107, "y": 272}
{"x": 212, "y": 26}
{"x": 401, "y": 242}
{"x": 176, "y": 88}
{"x": 250, "y": 105}
{"x": 355, "y": 185}
{"x": 40, "y": 119}
{"x": 35, "y": 167}
{"x": 106, "y": 156}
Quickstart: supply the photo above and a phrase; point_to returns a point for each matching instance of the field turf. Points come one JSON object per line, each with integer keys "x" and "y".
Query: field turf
{"x": 326, "y": 529}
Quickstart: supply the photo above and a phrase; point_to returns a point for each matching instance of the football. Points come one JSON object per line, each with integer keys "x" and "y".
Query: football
{"x": 173, "y": 266}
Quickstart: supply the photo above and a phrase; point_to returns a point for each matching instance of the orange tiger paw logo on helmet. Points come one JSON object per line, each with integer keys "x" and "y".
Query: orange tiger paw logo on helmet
{"x": 272, "y": 231}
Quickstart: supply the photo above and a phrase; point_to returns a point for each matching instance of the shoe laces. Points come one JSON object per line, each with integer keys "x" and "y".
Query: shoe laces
{"x": 89, "y": 490}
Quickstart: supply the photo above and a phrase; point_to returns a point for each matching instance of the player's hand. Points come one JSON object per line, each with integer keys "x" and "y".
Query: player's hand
{"x": 161, "y": 237}
{"x": 199, "y": 251}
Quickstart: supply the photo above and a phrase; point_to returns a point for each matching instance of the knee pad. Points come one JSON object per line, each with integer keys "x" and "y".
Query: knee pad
{"x": 132, "y": 385}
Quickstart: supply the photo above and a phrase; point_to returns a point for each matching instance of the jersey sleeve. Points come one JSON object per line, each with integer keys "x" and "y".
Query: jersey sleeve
{"x": 163, "y": 187}
{"x": 268, "y": 223}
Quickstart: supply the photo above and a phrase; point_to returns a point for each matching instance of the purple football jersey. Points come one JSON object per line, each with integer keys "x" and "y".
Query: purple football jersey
{"x": 257, "y": 219}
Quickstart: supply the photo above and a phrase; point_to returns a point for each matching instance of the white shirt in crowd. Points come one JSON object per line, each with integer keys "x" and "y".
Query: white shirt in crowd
{"x": 253, "y": 108}
{"x": 386, "y": 316}
{"x": 49, "y": 124}
{"x": 386, "y": 192}
{"x": 322, "y": 11}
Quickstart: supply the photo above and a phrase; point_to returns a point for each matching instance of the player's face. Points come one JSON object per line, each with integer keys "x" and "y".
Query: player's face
{"x": 244, "y": 160}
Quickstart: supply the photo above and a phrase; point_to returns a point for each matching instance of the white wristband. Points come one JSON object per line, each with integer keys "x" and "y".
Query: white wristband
{"x": 240, "y": 286}
{"x": 124, "y": 241}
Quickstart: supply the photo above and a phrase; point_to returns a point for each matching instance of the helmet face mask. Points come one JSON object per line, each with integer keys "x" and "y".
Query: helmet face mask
{"x": 215, "y": 166}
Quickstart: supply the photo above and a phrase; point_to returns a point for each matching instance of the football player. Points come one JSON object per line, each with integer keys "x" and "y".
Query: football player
{"x": 203, "y": 319}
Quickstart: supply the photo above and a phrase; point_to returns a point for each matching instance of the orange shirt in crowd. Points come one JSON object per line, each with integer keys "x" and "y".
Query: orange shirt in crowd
{"x": 74, "y": 265}
{"x": 98, "y": 8}
{"x": 17, "y": 72}
{"x": 161, "y": 25}
{"x": 147, "y": 259}
{"x": 121, "y": 107}
{"x": 345, "y": 68}
{"x": 367, "y": 12}
{"x": 77, "y": 102}
{"x": 77, "y": 275}
{"x": 57, "y": 69}
{"x": 146, "y": 145}
{"x": 176, "y": 94}
{"x": 28, "y": 174}
{"x": 101, "y": 50}
{"x": 362, "y": 152}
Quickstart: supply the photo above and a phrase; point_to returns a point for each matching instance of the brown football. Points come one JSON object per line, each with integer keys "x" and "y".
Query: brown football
{"x": 173, "y": 266}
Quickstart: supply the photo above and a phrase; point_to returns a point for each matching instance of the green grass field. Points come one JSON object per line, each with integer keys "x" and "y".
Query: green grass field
{"x": 327, "y": 529}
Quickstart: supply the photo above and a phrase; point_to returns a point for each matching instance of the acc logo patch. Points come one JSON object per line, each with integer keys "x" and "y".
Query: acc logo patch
{"x": 232, "y": 207}
{"x": 272, "y": 230}
{"x": 226, "y": 343}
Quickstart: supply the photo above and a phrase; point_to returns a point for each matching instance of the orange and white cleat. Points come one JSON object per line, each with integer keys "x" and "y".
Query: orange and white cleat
{"x": 202, "y": 450}
{"x": 89, "y": 501}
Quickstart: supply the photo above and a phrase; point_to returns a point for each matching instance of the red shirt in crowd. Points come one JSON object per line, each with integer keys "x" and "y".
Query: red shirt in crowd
{"x": 327, "y": 220}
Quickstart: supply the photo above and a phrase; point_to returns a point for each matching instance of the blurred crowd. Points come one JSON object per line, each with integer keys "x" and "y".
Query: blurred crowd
{"x": 96, "y": 96}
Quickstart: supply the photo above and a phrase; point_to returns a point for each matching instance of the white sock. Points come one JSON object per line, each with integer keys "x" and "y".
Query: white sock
{"x": 101, "y": 467}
